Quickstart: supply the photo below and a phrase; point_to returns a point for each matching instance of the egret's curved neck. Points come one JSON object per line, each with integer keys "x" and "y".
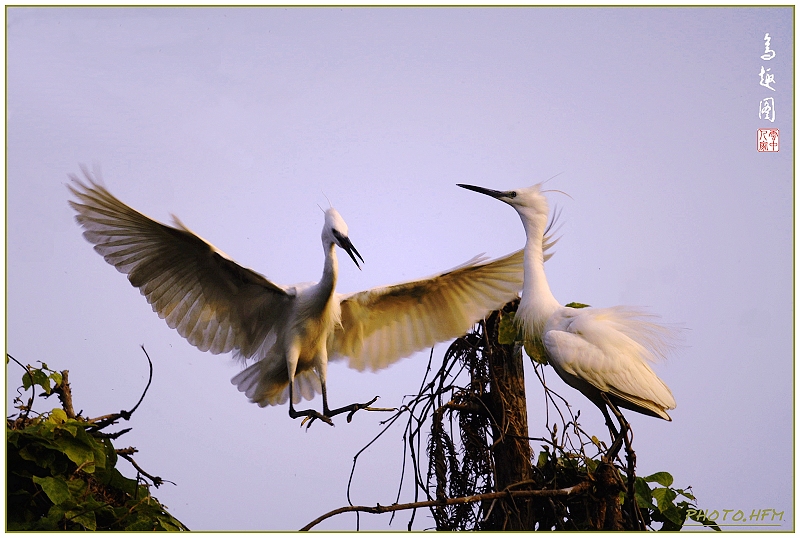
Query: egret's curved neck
{"x": 316, "y": 300}
{"x": 330, "y": 272}
{"x": 538, "y": 302}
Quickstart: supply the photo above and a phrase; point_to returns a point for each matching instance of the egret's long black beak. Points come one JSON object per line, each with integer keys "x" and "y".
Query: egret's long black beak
{"x": 488, "y": 192}
{"x": 348, "y": 247}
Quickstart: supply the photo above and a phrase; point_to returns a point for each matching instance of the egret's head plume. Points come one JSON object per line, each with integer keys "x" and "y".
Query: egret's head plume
{"x": 561, "y": 192}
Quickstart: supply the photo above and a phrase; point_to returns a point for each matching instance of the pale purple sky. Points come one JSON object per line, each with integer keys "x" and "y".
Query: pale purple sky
{"x": 237, "y": 120}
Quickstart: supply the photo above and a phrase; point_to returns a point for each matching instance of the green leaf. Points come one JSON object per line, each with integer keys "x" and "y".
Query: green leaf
{"x": 83, "y": 517}
{"x": 99, "y": 452}
{"x": 56, "y": 489}
{"x": 643, "y": 493}
{"x": 77, "y": 487}
{"x": 543, "y": 457}
{"x": 111, "y": 454}
{"x": 535, "y": 351}
{"x": 142, "y": 523}
{"x": 673, "y": 516}
{"x": 40, "y": 378}
{"x": 78, "y": 451}
{"x": 115, "y": 479}
{"x": 25, "y": 454}
{"x": 51, "y": 521}
{"x": 506, "y": 330}
{"x": 167, "y": 524}
{"x": 577, "y": 305}
{"x": 56, "y": 377}
{"x": 71, "y": 427}
{"x": 57, "y": 416}
{"x": 664, "y": 496}
{"x": 663, "y": 478}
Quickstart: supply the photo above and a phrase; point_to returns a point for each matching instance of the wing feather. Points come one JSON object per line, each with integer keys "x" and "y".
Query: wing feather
{"x": 210, "y": 300}
{"x": 384, "y": 324}
{"x": 594, "y": 345}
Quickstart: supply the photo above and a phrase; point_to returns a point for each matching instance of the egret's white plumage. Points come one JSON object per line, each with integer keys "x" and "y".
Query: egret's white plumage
{"x": 595, "y": 350}
{"x": 290, "y": 331}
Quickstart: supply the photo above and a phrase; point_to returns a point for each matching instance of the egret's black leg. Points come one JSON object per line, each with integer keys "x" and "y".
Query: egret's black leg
{"x": 325, "y": 410}
{"x": 351, "y": 409}
{"x": 625, "y": 428}
{"x": 618, "y": 437}
{"x": 612, "y": 430}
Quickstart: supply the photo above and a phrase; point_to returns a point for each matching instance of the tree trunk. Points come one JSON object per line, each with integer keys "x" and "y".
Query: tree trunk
{"x": 511, "y": 450}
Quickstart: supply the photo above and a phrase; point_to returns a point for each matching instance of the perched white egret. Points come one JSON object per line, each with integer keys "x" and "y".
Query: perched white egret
{"x": 290, "y": 331}
{"x": 602, "y": 352}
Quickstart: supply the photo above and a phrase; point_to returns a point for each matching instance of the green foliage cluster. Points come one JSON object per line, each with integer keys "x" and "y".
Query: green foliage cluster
{"x": 62, "y": 475}
{"x": 658, "y": 503}
{"x": 42, "y": 377}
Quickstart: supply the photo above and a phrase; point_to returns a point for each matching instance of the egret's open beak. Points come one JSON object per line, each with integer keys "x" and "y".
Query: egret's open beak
{"x": 488, "y": 192}
{"x": 348, "y": 247}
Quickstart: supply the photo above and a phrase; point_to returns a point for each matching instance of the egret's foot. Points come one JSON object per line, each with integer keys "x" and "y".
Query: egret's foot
{"x": 310, "y": 415}
{"x": 352, "y": 408}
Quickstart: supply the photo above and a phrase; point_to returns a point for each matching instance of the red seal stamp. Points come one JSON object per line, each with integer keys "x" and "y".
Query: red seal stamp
{"x": 768, "y": 139}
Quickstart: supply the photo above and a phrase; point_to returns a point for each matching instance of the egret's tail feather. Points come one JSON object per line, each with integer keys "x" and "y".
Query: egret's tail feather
{"x": 644, "y": 328}
{"x": 306, "y": 386}
{"x": 267, "y": 383}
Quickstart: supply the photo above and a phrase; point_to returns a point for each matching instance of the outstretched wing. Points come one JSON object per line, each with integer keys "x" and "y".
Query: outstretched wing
{"x": 214, "y": 303}
{"x": 385, "y": 324}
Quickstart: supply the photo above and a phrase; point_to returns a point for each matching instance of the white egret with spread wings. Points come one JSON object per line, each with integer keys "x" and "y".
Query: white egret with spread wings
{"x": 290, "y": 331}
{"x": 602, "y": 352}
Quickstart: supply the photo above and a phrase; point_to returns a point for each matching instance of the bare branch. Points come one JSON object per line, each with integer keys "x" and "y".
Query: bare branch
{"x": 112, "y": 436}
{"x": 65, "y": 394}
{"x": 378, "y": 509}
{"x": 149, "y": 380}
{"x": 99, "y": 423}
{"x": 157, "y": 480}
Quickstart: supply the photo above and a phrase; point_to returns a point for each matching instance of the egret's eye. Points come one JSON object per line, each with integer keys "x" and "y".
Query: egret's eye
{"x": 513, "y": 194}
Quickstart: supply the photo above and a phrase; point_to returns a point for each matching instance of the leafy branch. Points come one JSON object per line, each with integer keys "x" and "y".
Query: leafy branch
{"x": 62, "y": 467}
